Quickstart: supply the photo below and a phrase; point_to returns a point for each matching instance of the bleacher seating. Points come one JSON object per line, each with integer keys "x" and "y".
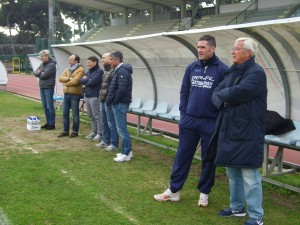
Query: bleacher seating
{"x": 213, "y": 20}
{"x": 269, "y": 14}
{"x": 121, "y": 31}
{"x": 129, "y": 30}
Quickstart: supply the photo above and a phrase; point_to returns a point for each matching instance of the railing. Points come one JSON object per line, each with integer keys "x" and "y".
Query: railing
{"x": 187, "y": 25}
{"x": 171, "y": 28}
{"x": 243, "y": 14}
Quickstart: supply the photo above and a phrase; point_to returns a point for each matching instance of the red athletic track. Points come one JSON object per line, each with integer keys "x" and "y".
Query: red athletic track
{"x": 27, "y": 85}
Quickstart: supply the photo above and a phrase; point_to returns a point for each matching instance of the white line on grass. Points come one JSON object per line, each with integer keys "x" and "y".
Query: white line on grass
{"x": 18, "y": 141}
{"x": 104, "y": 199}
{"x": 117, "y": 208}
{"x": 3, "y": 219}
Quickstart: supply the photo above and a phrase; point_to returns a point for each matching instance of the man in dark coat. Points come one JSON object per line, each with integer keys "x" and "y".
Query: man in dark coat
{"x": 240, "y": 130}
{"x": 47, "y": 75}
{"x": 92, "y": 82}
{"x": 120, "y": 96}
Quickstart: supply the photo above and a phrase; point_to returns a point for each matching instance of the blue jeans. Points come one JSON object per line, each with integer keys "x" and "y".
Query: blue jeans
{"x": 71, "y": 102}
{"x": 245, "y": 185}
{"x": 120, "y": 113}
{"x": 110, "y": 133}
{"x": 48, "y": 104}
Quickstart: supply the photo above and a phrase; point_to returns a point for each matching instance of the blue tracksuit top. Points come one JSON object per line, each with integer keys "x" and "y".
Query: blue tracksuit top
{"x": 199, "y": 81}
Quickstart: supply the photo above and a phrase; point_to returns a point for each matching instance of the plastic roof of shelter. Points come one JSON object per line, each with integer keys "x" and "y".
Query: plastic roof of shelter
{"x": 117, "y": 6}
{"x": 159, "y": 60}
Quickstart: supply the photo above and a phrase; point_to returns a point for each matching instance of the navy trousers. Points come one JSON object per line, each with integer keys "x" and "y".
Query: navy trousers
{"x": 191, "y": 131}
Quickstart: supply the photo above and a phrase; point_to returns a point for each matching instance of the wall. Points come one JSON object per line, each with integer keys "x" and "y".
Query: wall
{"x": 262, "y": 4}
{"x": 276, "y": 3}
{"x": 235, "y": 7}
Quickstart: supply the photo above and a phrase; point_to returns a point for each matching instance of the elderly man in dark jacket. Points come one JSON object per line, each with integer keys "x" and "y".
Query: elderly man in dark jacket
{"x": 119, "y": 96}
{"x": 240, "y": 130}
{"x": 47, "y": 75}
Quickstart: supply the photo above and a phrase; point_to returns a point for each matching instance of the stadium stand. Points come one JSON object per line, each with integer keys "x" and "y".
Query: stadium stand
{"x": 270, "y": 14}
{"x": 112, "y": 32}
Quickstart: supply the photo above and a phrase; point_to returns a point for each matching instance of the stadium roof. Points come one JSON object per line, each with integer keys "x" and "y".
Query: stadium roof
{"x": 117, "y": 6}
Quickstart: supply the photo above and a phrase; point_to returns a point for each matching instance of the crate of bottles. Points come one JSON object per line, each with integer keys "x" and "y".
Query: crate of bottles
{"x": 33, "y": 123}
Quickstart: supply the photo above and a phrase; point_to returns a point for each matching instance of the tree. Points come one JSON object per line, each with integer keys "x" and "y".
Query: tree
{"x": 84, "y": 17}
{"x": 30, "y": 19}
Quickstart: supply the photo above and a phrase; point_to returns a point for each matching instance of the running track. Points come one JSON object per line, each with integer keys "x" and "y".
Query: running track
{"x": 27, "y": 85}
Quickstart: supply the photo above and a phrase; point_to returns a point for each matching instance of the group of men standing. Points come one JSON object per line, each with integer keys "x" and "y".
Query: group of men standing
{"x": 223, "y": 108}
{"x": 107, "y": 94}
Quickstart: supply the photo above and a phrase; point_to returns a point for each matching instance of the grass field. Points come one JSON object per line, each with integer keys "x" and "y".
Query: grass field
{"x": 47, "y": 180}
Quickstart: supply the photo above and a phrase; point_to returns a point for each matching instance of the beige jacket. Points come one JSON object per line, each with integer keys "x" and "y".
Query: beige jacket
{"x": 71, "y": 81}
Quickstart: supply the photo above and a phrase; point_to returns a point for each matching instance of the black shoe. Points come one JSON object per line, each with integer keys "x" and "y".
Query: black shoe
{"x": 73, "y": 134}
{"x": 63, "y": 134}
{"x": 50, "y": 127}
{"x": 45, "y": 126}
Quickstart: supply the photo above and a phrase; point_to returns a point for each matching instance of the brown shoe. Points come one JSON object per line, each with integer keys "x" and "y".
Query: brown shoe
{"x": 73, "y": 134}
{"x": 63, "y": 134}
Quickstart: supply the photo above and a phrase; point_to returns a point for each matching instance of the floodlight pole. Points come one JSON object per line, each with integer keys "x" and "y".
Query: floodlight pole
{"x": 51, "y": 22}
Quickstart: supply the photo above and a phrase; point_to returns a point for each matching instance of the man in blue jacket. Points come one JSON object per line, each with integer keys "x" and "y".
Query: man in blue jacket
{"x": 120, "y": 96}
{"x": 240, "y": 131}
{"x": 197, "y": 121}
{"x": 92, "y": 82}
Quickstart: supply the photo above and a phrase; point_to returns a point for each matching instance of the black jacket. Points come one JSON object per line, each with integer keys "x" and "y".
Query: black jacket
{"x": 120, "y": 89}
{"x": 241, "y": 123}
{"x": 92, "y": 82}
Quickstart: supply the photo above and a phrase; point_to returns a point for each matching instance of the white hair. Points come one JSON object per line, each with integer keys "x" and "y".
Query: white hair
{"x": 249, "y": 44}
{"x": 45, "y": 52}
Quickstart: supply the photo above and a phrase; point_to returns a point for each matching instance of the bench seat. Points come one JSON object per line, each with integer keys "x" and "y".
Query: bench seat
{"x": 289, "y": 140}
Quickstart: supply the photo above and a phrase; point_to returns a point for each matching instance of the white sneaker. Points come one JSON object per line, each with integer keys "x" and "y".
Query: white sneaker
{"x": 110, "y": 148}
{"x": 203, "y": 200}
{"x": 101, "y": 145}
{"x": 97, "y": 138}
{"x": 122, "y": 158}
{"x": 167, "y": 196}
{"x": 130, "y": 155}
{"x": 90, "y": 136}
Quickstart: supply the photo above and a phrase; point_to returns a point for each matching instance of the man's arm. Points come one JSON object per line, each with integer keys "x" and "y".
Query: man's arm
{"x": 250, "y": 86}
{"x": 74, "y": 80}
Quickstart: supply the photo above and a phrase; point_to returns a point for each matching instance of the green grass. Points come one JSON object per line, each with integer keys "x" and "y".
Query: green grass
{"x": 81, "y": 185}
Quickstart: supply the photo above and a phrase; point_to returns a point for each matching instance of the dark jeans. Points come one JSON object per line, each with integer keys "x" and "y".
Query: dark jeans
{"x": 48, "y": 104}
{"x": 71, "y": 102}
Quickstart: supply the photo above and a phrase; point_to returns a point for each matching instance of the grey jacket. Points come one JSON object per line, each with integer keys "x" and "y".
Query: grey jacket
{"x": 47, "y": 74}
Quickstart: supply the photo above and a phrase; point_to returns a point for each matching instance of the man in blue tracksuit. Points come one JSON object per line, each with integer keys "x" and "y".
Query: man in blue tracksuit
{"x": 197, "y": 122}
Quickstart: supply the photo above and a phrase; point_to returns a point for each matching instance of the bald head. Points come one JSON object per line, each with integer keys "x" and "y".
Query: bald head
{"x": 105, "y": 59}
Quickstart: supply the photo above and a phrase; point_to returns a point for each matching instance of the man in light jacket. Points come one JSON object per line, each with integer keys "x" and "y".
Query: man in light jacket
{"x": 72, "y": 93}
